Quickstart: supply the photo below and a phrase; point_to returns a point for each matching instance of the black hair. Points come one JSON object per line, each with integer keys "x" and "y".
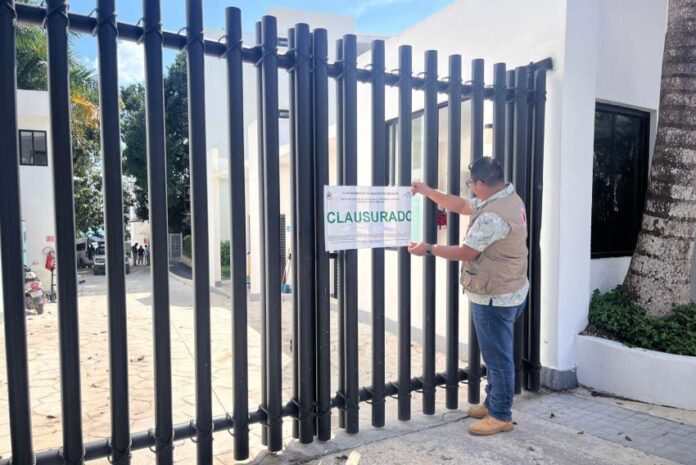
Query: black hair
{"x": 487, "y": 170}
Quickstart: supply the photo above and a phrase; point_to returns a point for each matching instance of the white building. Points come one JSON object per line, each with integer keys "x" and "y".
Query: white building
{"x": 36, "y": 178}
{"x": 217, "y": 134}
{"x": 607, "y": 57}
{"x": 36, "y": 181}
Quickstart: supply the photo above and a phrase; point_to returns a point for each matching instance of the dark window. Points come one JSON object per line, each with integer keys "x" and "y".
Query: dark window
{"x": 32, "y": 148}
{"x": 620, "y": 173}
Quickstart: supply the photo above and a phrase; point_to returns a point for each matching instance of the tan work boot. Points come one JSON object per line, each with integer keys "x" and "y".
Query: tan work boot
{"x": 488, "y": 426}
{"x": 478, "y": 411}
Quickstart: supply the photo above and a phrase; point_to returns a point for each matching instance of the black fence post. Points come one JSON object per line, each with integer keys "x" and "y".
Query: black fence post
{"x": 379, "y": 178}
{"x": 11, "y": 246}
{"x": 453, "y": 188}
{"x": 59, "y": 95}
{"x": 350, "y": 171}
{"x": 292, "y": 118}
{"x": 477, "y": 94}
{"x": 238, "y": 258}
{"x": 269, "y": 97}
{"x": 499, "y": 98}
{"x": 534, "y": 378}
{"x": 113, "y": 220}
{"x": 404, "y": 258}
{"x": 340, "y": 175}
{"x": 321, "y": 173}
{"x": 509, "y": 126}
{"x": 520, "y": 155}
{"x": 304, "y": 192}
{"x": 159, "y": 230}
{"x": 262, "y": 227}
{"x": 199, "y": 227}
{"x": 430, "y": 164}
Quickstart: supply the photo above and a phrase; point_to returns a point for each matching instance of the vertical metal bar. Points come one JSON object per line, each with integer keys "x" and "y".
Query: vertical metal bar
{"x": 235, "y": 105}
{"x": 262, "y": 229}
{"x": 113, "y": 218}
{"x": 530, "y": 234}
{"x": 404, "y": 258}
{"x": 499, "y": 96}
{"x": 430, "y": 117}
{"x": 520, "y": 178}
{"x": 199, "y": 228}
{"x": 453, "y": 188}
{"x": 341, "y": 255}
{"x": 59, "y": 94}
{"x": 321, "y": 173}
{"x": 292, "y": 117}
{"x": 269, "y": 95}
{"x": 350, "y": 170}
{"x": 477, "y": 89}
{"x": 379, "y": 178}
{"x": 534, "y": 380}
{"x": 509, "y": 128}
{"x": 157, "y": 174}
{"x": 305, "y": 231}
{"x": 11, "y": 246}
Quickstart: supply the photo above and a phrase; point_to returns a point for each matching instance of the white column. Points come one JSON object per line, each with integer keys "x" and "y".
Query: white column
{"x": 214, "y": 217}
{"x": 567, "y": 206}
{"x": 254, "y": 211}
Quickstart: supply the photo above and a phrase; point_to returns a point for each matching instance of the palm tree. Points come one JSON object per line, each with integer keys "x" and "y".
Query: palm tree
{"x": 659, "y": 275}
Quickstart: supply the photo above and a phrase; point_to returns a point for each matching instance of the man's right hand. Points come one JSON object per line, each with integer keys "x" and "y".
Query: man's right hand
{"x": 418, "y": 187}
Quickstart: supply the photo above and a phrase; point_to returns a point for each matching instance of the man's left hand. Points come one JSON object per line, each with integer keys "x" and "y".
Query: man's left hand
{"x": 418, "y": 249}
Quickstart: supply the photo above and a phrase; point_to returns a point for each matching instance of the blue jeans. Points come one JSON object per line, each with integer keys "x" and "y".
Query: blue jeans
{"x": 494, "y": 329}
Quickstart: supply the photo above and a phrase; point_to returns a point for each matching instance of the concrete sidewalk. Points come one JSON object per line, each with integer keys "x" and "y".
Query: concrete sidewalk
{"x": 551, "y": 428}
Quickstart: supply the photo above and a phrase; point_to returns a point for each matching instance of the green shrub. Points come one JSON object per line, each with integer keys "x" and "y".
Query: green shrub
{"x": 187, "y": 246}
{"x": 225, "y": 271}
{"x": 614, "y": 316}
{"x": 225, "y": 253}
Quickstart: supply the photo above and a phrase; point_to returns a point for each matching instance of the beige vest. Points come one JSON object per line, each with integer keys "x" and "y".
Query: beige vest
{"x": 502, "y": 267}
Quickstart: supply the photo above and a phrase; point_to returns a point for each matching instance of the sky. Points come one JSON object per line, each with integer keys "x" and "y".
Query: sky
{"x": 371, "y": 16}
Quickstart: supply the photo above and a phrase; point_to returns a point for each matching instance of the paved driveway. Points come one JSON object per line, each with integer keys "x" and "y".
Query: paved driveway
{"x": 44, "y": 365}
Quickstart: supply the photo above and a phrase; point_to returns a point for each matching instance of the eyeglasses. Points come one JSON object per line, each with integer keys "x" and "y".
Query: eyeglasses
{"x": 471, "y": 182}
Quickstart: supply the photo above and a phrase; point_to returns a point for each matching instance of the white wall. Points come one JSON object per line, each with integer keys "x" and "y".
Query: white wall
{"x": 336, "y": 26}
{"x": 36, "y": 183}
{"x": 568, "y": 314}
{"x": 140, "y": 232}
{"x": 629, "y": 65}
{"x": 606, "y": 50}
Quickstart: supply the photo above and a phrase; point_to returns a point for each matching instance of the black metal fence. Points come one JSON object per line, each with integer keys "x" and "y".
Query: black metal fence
{"x": 518, "y": 121}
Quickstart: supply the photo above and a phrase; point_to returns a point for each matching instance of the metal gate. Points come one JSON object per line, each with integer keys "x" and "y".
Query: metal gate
{"x": 518, "y": 120}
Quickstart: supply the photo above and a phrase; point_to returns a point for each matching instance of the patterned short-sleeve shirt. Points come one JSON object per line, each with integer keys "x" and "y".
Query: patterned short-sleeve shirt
{"x": 488, "y": 228}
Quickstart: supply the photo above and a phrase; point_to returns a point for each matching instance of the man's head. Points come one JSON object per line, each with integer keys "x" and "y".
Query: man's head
{"x": 485, "y": 177}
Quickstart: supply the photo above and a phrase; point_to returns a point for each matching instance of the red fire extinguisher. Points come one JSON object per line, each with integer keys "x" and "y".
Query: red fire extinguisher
{"x": 50, "y": 260}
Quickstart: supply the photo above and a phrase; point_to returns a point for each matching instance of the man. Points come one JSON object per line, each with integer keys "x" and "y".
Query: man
{"x": 134, "y": 253}
{"x": 494, "y": 276}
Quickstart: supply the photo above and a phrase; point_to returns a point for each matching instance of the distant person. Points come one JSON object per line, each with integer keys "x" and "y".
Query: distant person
{"x": 134, "y": 253}
{"x": 147, "y": 255}
{"x": 141, "y": 254}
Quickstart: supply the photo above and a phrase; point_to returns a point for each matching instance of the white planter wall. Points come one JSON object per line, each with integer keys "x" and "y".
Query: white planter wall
{"x": 638, "y": 374}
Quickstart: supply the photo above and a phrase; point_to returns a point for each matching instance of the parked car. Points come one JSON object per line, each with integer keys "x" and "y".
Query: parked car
{"x": 99, "y": 262}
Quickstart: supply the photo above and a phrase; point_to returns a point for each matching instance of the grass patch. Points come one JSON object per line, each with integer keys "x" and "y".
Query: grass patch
{"x": 614, "y": 316}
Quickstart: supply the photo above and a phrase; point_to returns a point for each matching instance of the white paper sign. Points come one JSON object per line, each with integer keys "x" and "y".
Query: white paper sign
{"x": 358, "y": 217}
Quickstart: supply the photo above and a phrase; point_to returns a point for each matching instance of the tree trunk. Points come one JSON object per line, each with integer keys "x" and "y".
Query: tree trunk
{"x": 659, "y": 276}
